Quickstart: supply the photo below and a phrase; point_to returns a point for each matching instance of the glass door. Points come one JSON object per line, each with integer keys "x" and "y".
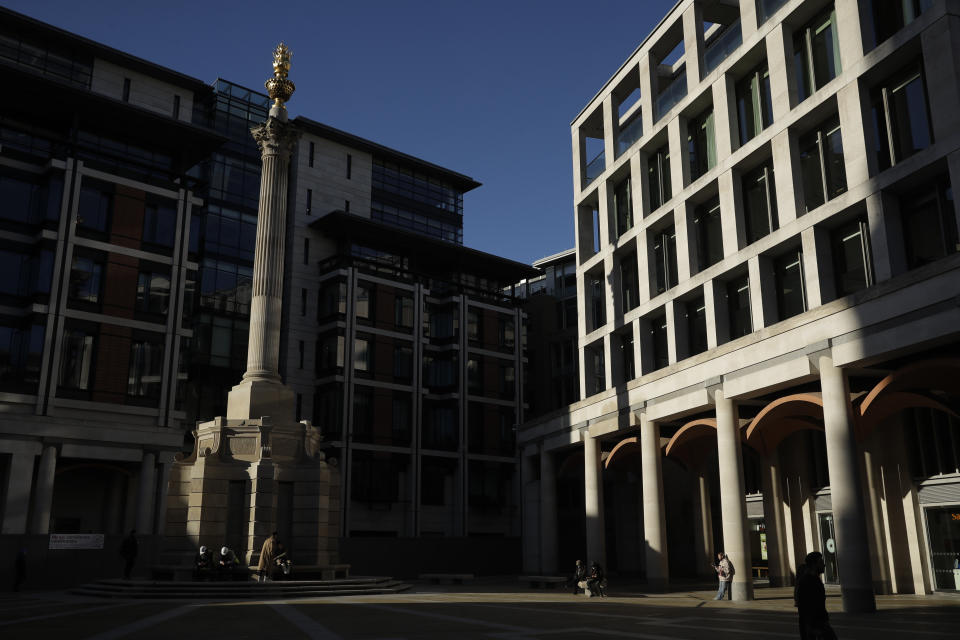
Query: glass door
{"x": 943, "y": 525}
{"x": 828, "y": 545}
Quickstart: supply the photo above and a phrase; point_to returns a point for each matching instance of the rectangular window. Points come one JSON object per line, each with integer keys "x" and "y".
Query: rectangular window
{"x": 791, "y": 298}
{"x": 126, "y": 90}
{"x": 306, "y": 251}
{"x": 929, "y": 224}
{"x": 738, "y": 307}
{"x": 474, "y": 376}
{"x": 146, "y": 368}
{"x": 363, "y": 413}
{"x": 626, "y": 357}
{"x": 816, "y": 54}
{"x": 658, "y": 175}
{"x": 402, "y": 363}
{"x": 665, "y": 259}
{"x": 330, "y": 353}
{"x": 473, "y": 326}
{"x": 364, "y": 302}
{"x": 300, "y": 349}
{"x": 403, "y": 311}
{"x": 702, "y": 144}
{"x": 660, "y": 356}
{"x": 508, "y": 382}
{"x": 759, "y": 203}
{"x": 303, "y": 302}
{"x": 153, "y": 292}
{"x": 766, "y": 8}
{"x": 176, "y": 107}
{"x": 333, "y": 299}
{"x": 754, "y": 104}
{"x": 852, "y": 265}
{"x": 889, "y": 17}
{"x": 629, "y": 286}
{"x": 402, "y": 408}
{"x": 159, "y": 223}
{"x": 310, "y": 155}
{"x": 696, "y": 312}
{"x": 349, "y": 166}
{"x": 76, "y": 361}
{"x": 709, "y": 233}
{"x": 901, "y": 122}
{"x": 507, "y": 333}
{"x": 362, "y": 355}
{"x": 597, "y": 305}
{"x": 86, "y": 279}
{"x": 309, "y": 201}
{"x": 821, "y": 164}
{"x": 346, "y": 206}
{"x": 623, "y": 206}
{"x": 596, "y": 370}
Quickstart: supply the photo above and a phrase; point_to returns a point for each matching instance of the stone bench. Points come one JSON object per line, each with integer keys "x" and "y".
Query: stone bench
{"x": 451, "y": 578}
{"x": 323, "y": 571}
{"x": 185, "y": 573}
{"x": 547, "y": 582}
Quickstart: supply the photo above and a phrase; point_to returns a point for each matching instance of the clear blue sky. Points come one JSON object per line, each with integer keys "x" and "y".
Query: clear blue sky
{"x": 486, "y": 88}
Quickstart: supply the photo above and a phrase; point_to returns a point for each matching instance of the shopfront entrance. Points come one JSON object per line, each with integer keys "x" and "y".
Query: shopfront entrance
{"x": 828, "y": 546}
{"x": 943, "y": 528}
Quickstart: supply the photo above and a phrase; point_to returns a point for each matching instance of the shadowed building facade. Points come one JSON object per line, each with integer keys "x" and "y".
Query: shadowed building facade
{"x": 767, "y": 277}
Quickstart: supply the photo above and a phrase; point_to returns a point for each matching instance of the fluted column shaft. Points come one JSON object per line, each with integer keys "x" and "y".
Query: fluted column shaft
{"x": 593, "y": 501}
{"x": 43, "y": 492}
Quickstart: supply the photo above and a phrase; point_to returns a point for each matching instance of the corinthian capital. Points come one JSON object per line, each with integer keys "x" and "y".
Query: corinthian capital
{"x": 275, "y": 137}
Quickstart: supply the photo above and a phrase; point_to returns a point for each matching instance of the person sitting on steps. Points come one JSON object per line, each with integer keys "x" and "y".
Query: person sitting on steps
{"x": 597, "y": 582}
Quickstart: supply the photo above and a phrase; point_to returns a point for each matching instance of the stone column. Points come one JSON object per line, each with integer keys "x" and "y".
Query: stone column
{"x": 261, "y": 392}
{"x": 548, "y": 513}
{"x": 160, "y": 521}
{"x": 705, "y": 527}
{"x": 654, "y": 515}
{"x": 853, "y": 547}
{"x": 18, "y": 494}
{"x": 146, "y": 494}
{"x": 733, "y": 505}
{"x": 530, "y": 512}
{"x": 593, "y": 501}
{"x": 43, "y": 492}
{"x": 773, "y": 516}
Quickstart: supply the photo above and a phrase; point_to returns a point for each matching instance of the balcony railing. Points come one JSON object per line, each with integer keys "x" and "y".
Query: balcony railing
{"x": 596, "y": 166}
{"x": 630, "y": 133}
{"x": 672, "y": 93}
{"x": 722, "y": 46}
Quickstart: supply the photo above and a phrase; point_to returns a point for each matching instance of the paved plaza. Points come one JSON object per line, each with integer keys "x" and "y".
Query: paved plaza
{"x": 487, "y": 610}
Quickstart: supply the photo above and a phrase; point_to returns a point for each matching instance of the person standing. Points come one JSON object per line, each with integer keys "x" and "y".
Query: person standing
{"x": 128, "y": 551}
{"x": 579, "y": 575}
{"x": 267, "y": 556}
{"x": 811, "y": 600}
{"x": 725, "y": 574}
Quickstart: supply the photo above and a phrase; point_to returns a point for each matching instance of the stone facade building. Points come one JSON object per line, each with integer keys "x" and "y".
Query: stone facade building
{"x": 767, "y": 272}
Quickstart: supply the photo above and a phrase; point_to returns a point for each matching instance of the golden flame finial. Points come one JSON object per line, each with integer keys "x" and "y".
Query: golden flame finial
{"x": 279, "y": 86}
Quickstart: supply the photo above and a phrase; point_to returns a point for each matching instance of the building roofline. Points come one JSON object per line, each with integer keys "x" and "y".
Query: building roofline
{"x": 556, "y": 257}
{"x": 326, "y": 131}
{"x": 630, "y": 57}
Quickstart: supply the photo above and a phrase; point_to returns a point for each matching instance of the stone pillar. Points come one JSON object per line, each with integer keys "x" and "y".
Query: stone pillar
{"x": 593, "y": 501}
{"x": 773, "y": 516}
{"x": 548, "y": 513}
{"x": 18, "y": 494}
{"x": 530, "y": 512}
{"x": 145, "y": 488}
{"x": 43, "y": 493}
{"x": 261, "y": 392}
{"x": 160, "y": 521}
{"x": 733, "y": 505}
{"x": 705, "y": 527}
{"x": 853, "y": 547}
{"x": 654, "y": 515}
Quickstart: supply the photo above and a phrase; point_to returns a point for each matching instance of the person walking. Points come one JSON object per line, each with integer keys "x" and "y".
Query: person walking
{"x": 579, "y": 575}
{"x": 267, "y": 563}
{"x": 128, "y": 551}
{"x": 725, "y": 572}
{"x": 811, "y": 601}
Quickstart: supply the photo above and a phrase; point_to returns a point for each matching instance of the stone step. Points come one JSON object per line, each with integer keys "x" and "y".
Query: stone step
{"x": 142, "y": 589}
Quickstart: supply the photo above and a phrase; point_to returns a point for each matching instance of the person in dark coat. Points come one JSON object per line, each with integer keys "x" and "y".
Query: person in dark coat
{"x": 20, "y": 569}
{"x": 596, "y": 581}
{"x": 128, "y": 551}
{"x": 579, "y": 575}
{"x": 811, "y": 600}
{"x": 268, "y": 554}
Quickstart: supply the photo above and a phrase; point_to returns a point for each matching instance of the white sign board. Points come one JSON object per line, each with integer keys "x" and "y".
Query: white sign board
{"x": 76, "y": 541}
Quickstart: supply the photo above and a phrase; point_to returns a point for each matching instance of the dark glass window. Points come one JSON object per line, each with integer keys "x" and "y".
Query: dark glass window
{"x": 403, "y": 311}
{"x": 473, "y": 326}
{"x": 629, "y": 287}
{"x": 159, "y": 223}
{"x": 362, "y": 355}
{"x": 702, "y": 144}
{"x": 21, "y": 350}
{"x": 474, "y": 376}
{"x": 766, "y": 8}
{"x": 126, "y": 90}
{"x": 821, "y": 163}
{"x": 310, "y": 155}
{"x": 363, "y": 413}
{"x": 665, "y": 259}
{"x": 86, "y": 279}
{"x": 816, "y": 54}
{"x": 738, "y": 307}
{"x": 696, "y": 312}
{"x": 929, "y": 224}
{"x": 145, "y": 370}
{"x": 791, "y": 298}
{"x": 598, "y": 309}
{"x": 626, "y": 357}
{"x": 754, "y": 104}
{"x": 310, "y": 202}
{"x": 303, "y": 302}
{"x": 506, "y": 333}
{"x": 330, "y": 353}
{"x": 77, "y": 359}
{"x": 759, "y": 202}
{"x": 709, "y": 233}
{"x": 402, "y": 409}
{"x": 333, "y": 299}
{"x": 658, "y": 174}
{"x": 596, "y": 370}
{"x": 623, "y": 206}
{"x": 851, "y": 258}
{"x": 402, "y": 363}
{"x": 153, "y": 292}
{"x": 889, "y": 16}
{"x": 27, "y": 201}
{"x": 900, "y": 119}
{"x": 660, "y": 356}
{"x": 94, "y": 208}
{"x": 364, "y": 302}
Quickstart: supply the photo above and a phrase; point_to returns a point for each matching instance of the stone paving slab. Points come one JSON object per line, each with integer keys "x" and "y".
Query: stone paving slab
{"x": 493, "y": 610}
